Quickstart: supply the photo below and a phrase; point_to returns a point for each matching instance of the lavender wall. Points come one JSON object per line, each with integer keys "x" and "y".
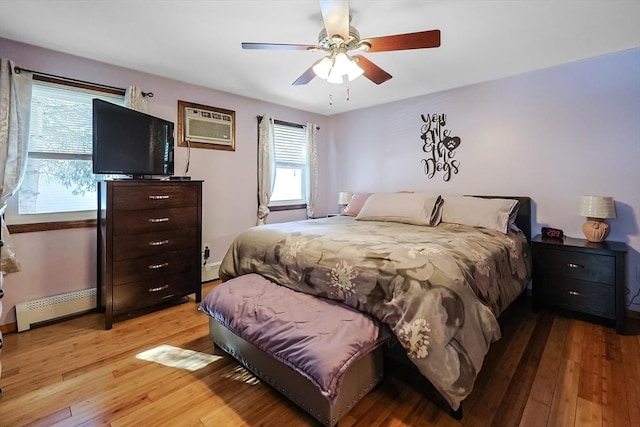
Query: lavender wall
{"x": 57, "y": 262}
{"x": 553, "y": 134}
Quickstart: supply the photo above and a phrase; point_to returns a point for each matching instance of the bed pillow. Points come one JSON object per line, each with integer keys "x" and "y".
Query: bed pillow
{"x": 356, "y": 203}
{"x": 407, "y": 208}
{"x": 495, "y": 214}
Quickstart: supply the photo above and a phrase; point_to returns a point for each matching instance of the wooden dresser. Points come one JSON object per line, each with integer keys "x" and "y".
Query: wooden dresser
{"x": 149, "y": 244}
{"x": 580, "y": 276}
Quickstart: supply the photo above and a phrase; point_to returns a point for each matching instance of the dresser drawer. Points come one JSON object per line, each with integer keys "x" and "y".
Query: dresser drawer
{"x": 149, "y": 244}
{"x": 156, "y": 196}
{"x": 154, "y": 220}
{"x": 154, "y": 267}
{"x": 579, "y": 265}
{"x": 586, "y": 297}
{"x": 140, "y": 294}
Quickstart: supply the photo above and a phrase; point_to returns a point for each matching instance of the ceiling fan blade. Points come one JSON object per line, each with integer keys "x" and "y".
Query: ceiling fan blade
{"x": 335, "y": 14}
{"x": 419, "y": 40}
{"x": 279, "y": 46}
{"x": 371, "y": 70}
{"x": 307, "y": 76}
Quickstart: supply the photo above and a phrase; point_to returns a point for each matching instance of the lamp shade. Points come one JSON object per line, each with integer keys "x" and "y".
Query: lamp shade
{"x": 597, "y": 207}
{"x": 338, "y": 67}
{"x": 354, "y": 70}
{"x": 344, "y": 197}
{"x": 322, "y": 68}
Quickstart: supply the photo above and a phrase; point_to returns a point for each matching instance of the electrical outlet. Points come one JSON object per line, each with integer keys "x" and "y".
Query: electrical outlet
{"x": 206, "y": 252}
{"x": 209, "y": 268}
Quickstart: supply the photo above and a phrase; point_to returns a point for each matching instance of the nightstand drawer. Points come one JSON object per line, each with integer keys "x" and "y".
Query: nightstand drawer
{"x": 577, "y": 295}
{"x": 579, "y": 265}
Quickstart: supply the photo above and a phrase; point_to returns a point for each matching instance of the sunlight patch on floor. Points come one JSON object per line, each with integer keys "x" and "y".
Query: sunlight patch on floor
{"x": 176, "y": 357}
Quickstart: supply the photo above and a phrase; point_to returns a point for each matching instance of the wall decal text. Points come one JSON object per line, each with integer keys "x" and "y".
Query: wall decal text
{"x": 439, "y": 147}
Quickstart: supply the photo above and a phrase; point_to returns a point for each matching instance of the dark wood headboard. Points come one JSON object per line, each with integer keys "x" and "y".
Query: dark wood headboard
{"x": 523, "y": 220}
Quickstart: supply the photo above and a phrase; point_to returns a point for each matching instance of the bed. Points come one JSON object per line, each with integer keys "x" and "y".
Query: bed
{"x": 438, "y": 288}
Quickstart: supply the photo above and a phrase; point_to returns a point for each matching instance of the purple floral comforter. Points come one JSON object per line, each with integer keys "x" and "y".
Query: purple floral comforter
{"x": 439, "y": 289}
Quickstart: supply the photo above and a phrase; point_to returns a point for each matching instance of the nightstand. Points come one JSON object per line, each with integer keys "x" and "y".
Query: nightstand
{"x": 580, "y": 276}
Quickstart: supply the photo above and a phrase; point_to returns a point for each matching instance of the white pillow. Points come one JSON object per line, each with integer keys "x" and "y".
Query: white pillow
{"x": 479, "y": 212}
{"x": 356, "y": 203}
{"x": 407, "y": 208}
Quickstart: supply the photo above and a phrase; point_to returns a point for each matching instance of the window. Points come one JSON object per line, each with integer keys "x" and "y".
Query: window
{"x": 59, "y": 184}
{"x": 290, "y": 187}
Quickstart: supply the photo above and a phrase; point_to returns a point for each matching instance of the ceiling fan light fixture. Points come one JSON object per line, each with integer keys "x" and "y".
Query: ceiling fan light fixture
{"x": 336, "y": 67}
{"x": 322, "y": 68}
{"x": 341, "y": 63}
{"x": 335, "y": 76}
{"x": 354, "y": 70}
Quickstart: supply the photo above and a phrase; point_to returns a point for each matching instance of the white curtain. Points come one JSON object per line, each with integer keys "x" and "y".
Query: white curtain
{"x": 266, "y": 167}
{"x": 135, "y": 99}
{"x": 312, "y": 163}
{"x": 15, "y": 107}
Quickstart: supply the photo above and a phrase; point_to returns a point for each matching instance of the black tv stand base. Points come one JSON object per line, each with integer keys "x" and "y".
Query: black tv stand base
{"x": 179, "y": 178}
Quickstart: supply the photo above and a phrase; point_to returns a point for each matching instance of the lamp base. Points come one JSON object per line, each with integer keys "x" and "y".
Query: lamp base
{"x": 595, "y": 229}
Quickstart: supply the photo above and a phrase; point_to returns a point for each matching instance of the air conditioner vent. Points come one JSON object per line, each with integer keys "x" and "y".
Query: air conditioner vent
{"x": 207, "y": 126}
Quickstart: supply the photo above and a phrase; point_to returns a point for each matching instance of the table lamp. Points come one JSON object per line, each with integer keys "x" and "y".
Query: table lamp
{"x": 343, "y": 200}
{"x": 596, "y": 209}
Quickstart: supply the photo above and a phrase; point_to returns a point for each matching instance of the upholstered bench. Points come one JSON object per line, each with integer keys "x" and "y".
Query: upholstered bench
{"x": 321, "y": 355}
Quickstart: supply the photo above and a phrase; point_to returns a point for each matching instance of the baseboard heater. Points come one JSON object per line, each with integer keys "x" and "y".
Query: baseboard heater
{"x": 46, "y": 310}
{"x": 210, "y": 272}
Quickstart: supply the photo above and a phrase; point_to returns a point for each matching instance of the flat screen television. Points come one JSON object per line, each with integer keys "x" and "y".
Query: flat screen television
{"x": 129, "y": 142}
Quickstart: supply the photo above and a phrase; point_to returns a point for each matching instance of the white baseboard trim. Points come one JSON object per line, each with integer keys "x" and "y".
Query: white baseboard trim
{"x": 210, "y": 271}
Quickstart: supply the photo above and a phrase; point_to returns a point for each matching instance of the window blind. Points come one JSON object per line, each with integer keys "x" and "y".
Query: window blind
{"x": 290, "y": 145}
{"x": 61, "y": 119}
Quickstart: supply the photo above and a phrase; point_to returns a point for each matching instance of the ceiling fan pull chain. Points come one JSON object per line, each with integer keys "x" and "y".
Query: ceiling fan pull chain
{"x": 330, "y": 99}
{"x": 348, "y": 94}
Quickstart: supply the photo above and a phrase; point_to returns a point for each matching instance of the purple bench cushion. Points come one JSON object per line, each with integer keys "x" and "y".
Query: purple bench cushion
{"x": 318, "y": 338}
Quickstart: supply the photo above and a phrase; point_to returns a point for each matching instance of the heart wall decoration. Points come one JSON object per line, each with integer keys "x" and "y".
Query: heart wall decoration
{"x": 439, "y": 147}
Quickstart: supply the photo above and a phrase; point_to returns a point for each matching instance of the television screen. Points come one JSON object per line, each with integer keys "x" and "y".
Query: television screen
{"x": 129, "y": 142}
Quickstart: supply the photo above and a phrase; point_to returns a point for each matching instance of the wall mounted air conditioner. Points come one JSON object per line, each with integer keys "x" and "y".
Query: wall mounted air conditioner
{"x": 208, "y": 126}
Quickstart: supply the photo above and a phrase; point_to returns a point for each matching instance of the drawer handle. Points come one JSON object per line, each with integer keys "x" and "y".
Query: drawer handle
{"x": 574, "y": 293}
{"x": 572, "y": 265}
{"x": 159, "y": 242}
{"x": 159, "y": 197}
{"x": 159, "y": 288}
{"x": 157, "y": 220}
{"x": 156, "y": 266}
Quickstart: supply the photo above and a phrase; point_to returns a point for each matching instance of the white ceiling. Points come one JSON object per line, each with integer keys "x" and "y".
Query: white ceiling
{"x": 198, "y": 41}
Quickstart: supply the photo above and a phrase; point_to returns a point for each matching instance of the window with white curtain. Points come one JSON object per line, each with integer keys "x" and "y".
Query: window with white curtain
{"x": 291, "y": 162}
{"x": 59, "y": 184}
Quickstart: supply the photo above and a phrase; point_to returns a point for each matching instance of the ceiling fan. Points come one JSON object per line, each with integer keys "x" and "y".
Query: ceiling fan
{"x": 338, "y": 38}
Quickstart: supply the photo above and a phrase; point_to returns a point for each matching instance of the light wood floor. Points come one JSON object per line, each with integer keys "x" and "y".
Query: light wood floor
{"x": 547, "y": 370}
